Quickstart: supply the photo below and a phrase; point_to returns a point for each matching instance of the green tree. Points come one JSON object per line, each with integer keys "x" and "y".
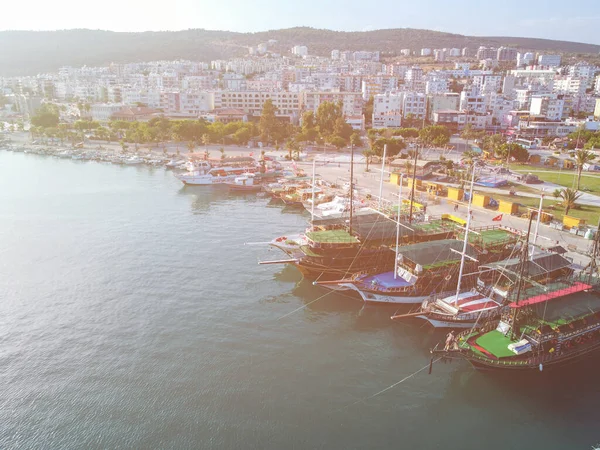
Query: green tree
{"x": 355, "y": 140}
{"x": 46, "y": 116}
{"x": 327, "y": 117}
{"x": 337, "y": 141}
{"x": 516, "y": 151}
{"x": 124, "y": 146}
{"x": 435, "y": 135}
{"x": 394, "y": 146}
{"x": 242, "y": 136}
{"x": 205, "y": 139}
{"x": 569, "y": 199}
{"x": 222, "y": 150}
{"x": 268, "y": 123}
{"x": 368, "y": 111}
{"x": 582, "y": 157}
{"x": 493, "y": 143}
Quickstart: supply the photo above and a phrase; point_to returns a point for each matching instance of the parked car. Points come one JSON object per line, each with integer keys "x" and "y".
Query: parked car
{"x": 532, "y": 179}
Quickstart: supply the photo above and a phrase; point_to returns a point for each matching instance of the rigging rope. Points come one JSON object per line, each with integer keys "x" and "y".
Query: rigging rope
{"x": 393, "y": 385}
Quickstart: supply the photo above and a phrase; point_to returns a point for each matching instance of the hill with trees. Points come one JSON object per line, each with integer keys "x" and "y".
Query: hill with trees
{"x": 33, "y": 52}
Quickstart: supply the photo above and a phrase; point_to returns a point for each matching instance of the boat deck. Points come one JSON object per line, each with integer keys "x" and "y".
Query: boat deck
{"x": 495, "y": 343}
{"x": 332, "y": 237}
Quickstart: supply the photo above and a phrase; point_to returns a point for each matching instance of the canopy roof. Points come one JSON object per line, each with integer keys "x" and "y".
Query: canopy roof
{"x": 539, "y": 265}
{"x": 429, "y": 253}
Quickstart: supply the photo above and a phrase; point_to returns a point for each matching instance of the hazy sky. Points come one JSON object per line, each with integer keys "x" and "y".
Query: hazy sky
{"x": 552, "y": 19}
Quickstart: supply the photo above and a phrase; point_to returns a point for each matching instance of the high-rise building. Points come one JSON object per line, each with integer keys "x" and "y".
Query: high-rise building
{"x": 486, "y": 53}
{"x": 506, "y": 54}
{"x": 549, "y": 60}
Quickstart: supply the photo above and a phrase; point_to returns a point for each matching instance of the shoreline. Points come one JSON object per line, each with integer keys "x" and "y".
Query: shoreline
{"x": 333, "y": 168}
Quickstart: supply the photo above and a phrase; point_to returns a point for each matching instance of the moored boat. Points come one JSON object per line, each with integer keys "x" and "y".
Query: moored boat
{"x": 244, "y": 183}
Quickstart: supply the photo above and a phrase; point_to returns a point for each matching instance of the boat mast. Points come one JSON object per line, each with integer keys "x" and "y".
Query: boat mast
{"x": 466, "y": 240}
{"x": 382, "y": 172}
{"x": 412, "y": 190}
{"x": 312, "y": 209}
{"x": 593, "y": 266}
{"x": 537, "y": 224}
{"x": 524, "y": 258}
{"x": 351, "y": 184}
{"x": 398, "y": 226}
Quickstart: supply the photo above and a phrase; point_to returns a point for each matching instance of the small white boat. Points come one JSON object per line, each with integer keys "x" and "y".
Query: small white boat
{"x": 134, "y": 160}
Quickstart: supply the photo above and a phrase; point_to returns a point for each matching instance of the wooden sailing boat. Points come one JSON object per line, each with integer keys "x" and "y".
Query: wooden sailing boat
{"x": 543, "y": 326}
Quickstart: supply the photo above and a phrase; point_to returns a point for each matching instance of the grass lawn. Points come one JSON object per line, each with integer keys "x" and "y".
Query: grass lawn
{"x": 590, "y": 213}
{"x": 567, "y": 178}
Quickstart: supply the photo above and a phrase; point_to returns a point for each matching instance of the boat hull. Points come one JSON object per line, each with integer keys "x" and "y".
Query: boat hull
{"x": 440, "y": 323}
{"x": 372, "y": 297}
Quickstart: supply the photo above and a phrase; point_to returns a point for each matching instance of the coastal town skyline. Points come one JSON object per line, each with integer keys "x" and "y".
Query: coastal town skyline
{"x": 536, "y": 19}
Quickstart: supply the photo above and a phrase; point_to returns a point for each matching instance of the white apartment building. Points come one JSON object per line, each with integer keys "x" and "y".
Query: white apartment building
{"x": 352, "y": 102}
{"x": 549, "y": 106}
{"x": 439, "y": 55}
{"x": 549, "y": 60}
{"x": 597, "y": 85}
{"x": 202, "y": 82}
{"x": 387, "y": 110}
{"x": 251, "y": 102}
{"x": 335, "y": 54}
{"x": 568, "y": 85}
{"x": 486, "y": 53}
{"x": 584, "y": 71}
{"x": 442, "y": 102}
{"x": 436, "y": 86}
{"x": 102, "y": 112}
{"x": 454, "y": 52}
{"x": 500, "y": 107}
{"x": 506, "y": 54}
{"x": 471, "y": 100}
{"x": 425, "y": 52}
{"x": 535, "y": 75}
{"x": 300, "y": 50}
{"x": 487, "y": 83}
{"x": 405, "y": 52}
{"x": 525, "y": 59}
{"x": 415, "y": 104}
{"x": 413, "y": 74}
{"x": 377, "y": 85}
{"x": 194, "y": 103}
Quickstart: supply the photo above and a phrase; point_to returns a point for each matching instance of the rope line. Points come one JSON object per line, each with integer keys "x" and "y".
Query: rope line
{"x": 393, "y": 385}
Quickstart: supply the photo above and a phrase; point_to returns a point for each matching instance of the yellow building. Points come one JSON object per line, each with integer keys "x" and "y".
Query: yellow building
{"x": 455, "y": 194}
{"x": 481, "y": 200}
{"x": 508, "y": 207}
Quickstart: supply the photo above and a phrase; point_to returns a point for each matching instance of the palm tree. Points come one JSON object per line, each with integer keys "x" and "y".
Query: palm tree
{"x": 222, "y": 150}
{"x": 291, "y": 146}
{"x": 205, "y": 139}
{"x": 582, "y": 157}
{"x": 556, "y": 193}
{"x": 570, "y": 198}
{"x": 368, "y": 153}
{"x": 123, "y": 146}
{"x": 191, "y": 146}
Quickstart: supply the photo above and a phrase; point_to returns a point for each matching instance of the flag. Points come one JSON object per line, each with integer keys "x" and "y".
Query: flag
{"x": 498, "y": 218}
{"x": 251, "y": 154}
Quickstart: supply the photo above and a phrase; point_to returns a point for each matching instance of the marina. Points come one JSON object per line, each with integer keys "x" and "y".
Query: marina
{"x": 164, "y": 240}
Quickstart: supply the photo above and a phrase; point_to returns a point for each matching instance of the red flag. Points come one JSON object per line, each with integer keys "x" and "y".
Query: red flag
{"x": 498, "y": 218}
